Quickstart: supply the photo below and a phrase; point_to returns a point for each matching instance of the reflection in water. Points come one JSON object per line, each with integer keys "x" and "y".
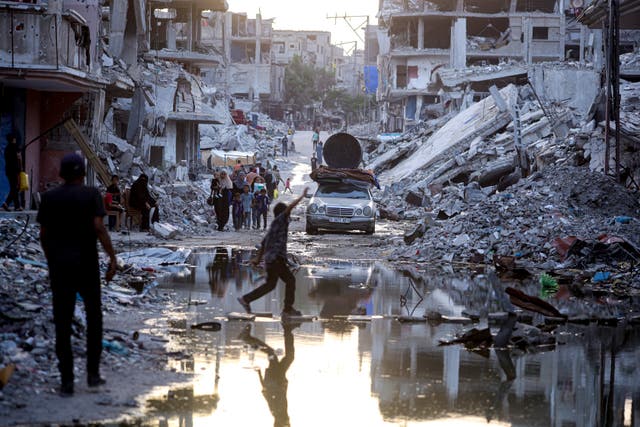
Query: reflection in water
{"x": 384, "y": 372}
{"x": 274, "y": 381}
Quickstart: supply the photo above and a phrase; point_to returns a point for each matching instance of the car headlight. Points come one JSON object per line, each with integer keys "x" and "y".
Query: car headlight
{"x": 313, "y": 208}
{"x": 359, "y": 212}
{"x": 367, "y": 211}
{"x": 321, "y": 209}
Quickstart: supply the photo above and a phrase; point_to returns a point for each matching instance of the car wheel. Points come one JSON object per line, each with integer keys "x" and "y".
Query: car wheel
{"x": 310, "y": 229}
{"x": 371, "y": 229}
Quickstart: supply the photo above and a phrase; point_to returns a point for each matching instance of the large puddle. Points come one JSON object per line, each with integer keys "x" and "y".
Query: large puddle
{"x": 376, "y": 371}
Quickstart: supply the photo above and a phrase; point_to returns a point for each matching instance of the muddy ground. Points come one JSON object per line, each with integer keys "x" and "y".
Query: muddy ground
{"x": 132, "y": 377}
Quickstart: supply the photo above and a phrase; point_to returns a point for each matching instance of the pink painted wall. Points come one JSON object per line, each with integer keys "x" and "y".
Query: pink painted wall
{"x": 32, "y": 154}
{"x": 51, "y": 111}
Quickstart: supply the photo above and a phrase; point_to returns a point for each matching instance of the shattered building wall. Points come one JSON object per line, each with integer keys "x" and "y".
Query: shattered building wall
{"x": 418, "y": 38}
{"x": 314, "y": 47}
{"x": 48, "y": 61}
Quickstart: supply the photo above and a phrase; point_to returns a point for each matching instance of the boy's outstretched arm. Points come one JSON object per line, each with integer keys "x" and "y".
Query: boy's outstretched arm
{"x": 296, "y": 201}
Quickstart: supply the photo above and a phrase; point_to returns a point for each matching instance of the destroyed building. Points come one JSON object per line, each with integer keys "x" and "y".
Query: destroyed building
{"x": 424, "y": 43}
{"x": 49, "y": 71}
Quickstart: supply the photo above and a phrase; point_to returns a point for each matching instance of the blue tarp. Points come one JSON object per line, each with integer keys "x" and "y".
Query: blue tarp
{"x": 371, "y": 79}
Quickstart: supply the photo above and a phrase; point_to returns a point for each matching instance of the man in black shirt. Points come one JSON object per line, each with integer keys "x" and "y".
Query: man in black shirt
{"x": 71, "y": 219}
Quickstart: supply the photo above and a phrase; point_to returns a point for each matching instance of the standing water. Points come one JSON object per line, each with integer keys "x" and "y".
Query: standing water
{"x": 358, "y": 365}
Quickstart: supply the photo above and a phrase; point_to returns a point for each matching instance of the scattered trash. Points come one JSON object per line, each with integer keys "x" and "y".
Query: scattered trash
{"x": 601, "y": 276}
{"x": 548, "y": 285}
{"x": 532, "y": 303}
{"x": 207, "y": 326}
{"x": 5, "y": 374}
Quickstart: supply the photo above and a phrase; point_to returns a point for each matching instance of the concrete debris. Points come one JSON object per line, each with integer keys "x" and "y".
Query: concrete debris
{"x": 465, "y": 171}
{"x": 27, "y": 336}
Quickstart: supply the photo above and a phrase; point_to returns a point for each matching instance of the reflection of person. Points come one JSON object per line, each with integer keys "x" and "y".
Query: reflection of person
{"x": 274, "y": 382}
{"x": 71, "y": 219}
{"x": 274, "y": 250}
{"x": 140, "y": 198}
{"x": 12, "y": 168}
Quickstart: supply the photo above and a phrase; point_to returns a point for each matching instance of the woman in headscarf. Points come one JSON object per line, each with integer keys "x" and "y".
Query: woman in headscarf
{"x": 222, "y": 203}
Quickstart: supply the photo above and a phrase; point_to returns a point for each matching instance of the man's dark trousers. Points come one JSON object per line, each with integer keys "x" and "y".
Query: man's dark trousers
{"x": 66, "y": 281}
{"x": 276, "y": 270}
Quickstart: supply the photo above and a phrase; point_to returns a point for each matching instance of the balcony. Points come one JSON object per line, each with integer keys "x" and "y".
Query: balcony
{"x": 34, "y": 41}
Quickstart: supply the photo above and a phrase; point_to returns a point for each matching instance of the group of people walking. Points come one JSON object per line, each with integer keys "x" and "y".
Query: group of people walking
{"x": 245, "y": 196}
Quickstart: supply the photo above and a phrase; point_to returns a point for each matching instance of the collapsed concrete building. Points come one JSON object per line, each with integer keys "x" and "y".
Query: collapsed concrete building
{"x": 424, "y": 45}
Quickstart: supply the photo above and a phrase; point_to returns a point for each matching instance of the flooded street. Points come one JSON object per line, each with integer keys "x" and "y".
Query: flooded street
{"x": 372, "y": 359}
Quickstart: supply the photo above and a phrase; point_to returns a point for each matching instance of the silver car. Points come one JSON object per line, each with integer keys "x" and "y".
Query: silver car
{"x": 338, "y": 206}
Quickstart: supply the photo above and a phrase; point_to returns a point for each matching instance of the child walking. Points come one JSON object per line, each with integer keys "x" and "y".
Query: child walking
{"x": 287, "y": 186}
{"x": 261, "y": 208}
{"x": 238, "y": 211}
{"x": 274, "y": 251}
{"x": 247, "y": 200}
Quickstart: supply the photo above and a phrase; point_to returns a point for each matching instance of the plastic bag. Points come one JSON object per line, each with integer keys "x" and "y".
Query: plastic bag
{"x": 276, "y": 193}
{"x": 23, "y": 184}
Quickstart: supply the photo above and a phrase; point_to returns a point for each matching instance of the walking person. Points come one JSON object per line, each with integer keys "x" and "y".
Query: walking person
{"x": 71, "y": 219}
{"x": 140, "y": 198}
{"x": 222, "y": 210}
{"x": 247, "y": 200}
{"x": 287, "y": 186}
{"x": 261, "y": 208}
{"x": 285, "y": 146}
{"x": 274, "y": 250}
{"x": 315, "y": 138}
{"x": 12, "y": 168}
{"x": 237, "y": 211}
{"x": 319, "y": 152}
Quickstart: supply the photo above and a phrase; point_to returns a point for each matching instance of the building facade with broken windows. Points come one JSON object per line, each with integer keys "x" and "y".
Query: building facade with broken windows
{"x": 49, "y": 72}
{"x": 426, "y": 45}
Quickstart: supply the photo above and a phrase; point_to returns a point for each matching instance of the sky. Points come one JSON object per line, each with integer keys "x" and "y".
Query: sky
{"x": 312, "y": 15}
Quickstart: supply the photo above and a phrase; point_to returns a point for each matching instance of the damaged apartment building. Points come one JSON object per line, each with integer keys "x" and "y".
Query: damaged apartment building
{"x": 87, "y": 75}
{"x": 441, "y": 55}
{"x": 50, "y": 71}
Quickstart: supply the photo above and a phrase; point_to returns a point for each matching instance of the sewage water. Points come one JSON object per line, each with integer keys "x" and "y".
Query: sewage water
{"x": 381, "y": 372}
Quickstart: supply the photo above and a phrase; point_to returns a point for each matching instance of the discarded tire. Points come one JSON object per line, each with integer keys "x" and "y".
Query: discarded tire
{"x": 342, "y": 151}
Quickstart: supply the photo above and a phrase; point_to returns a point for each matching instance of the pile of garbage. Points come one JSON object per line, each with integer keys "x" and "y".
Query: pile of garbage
{"x": 27, "y": 335}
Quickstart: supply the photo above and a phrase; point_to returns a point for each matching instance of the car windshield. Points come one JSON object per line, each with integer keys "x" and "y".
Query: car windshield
{"x": 342, "y": 190}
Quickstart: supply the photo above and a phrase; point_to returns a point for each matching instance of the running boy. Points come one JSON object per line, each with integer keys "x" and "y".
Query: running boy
{"x": 287, "y": 186}
{"x": 274, "y": 250}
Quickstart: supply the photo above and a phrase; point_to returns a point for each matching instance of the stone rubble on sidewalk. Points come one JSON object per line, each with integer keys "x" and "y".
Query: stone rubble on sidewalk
{"x": 27, "y": 335}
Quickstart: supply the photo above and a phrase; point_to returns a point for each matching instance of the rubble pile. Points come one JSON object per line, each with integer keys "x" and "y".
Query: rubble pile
{"x": 478, "y": 195}
{"x": 466, "y": 223}
{"x": 27, "y": 335}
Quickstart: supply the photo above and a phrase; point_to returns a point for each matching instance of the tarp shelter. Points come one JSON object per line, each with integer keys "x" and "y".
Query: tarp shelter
{"x": 219, "y": 158}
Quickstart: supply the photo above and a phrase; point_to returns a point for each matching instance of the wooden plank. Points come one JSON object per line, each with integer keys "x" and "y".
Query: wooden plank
{"x": 88, "y": 151}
